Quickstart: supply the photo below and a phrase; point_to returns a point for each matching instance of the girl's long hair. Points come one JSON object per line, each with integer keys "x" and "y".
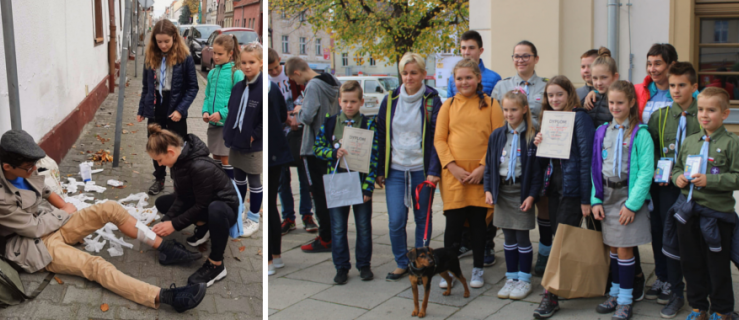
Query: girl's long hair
{"x": 628, "y": 90}
{"x": 231, "y": 44}
{"x": 472, "y": 65}
{"x": 567, "y": 86}
{"x": 177, "y": 54}
{"x": 519, "y": 97}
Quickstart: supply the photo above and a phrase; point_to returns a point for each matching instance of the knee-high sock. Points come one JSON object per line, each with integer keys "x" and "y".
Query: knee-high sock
{"x": 511, "y": 260}
{"x": 229, "y": 170}
{"x": 626, "y": 268}
{"x": 525, "y": 256}
{"x": 615, "y": 286}
{"x": 545, "y": 235}
{"x": 240, "y": 177}
{"x": 255, "y": 199}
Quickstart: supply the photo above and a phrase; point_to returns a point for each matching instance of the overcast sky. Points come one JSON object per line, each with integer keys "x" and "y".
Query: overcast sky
{"x": 159, "y": 6}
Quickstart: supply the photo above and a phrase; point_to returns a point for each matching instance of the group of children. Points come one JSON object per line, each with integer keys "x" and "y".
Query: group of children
{"x": 621, "y": 132}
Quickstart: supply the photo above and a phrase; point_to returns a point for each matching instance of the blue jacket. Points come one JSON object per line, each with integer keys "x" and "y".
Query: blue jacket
{"x": 576, "y": 170}
{"x": 252, "y": 125}
{"x": 531, "y": 167}
{"x": 431, "y": 105}
{"x": 184, "y": 90}
{"x": 709, "y": 219}
{"x": 278, "y": 152}
{"x": 489, "y": 79}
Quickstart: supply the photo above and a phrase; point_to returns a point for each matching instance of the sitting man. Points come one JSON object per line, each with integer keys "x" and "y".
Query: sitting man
{"x": 38, "y": 238}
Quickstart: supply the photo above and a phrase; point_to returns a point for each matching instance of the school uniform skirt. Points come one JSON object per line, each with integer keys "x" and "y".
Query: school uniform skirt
{"x": 616, "y": 235}
{"x": 216, "y": 144}
{"x": 249, "y": 162}
{"x": 508, "y": 214}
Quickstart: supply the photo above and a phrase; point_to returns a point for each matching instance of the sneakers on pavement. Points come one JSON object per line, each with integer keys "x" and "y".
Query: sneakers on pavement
{"x": 665, "y": 294}
{"x": 209, "y": 274}
{"x": 477, "y": 280}
{"x": 287, "y": 226}
{"x": 317, "y": 245}
{"x": 308, "y": 224}
{"x": 183, "y": 298}
{"x": 200, "y": 236}
{"x": 505, "y": 292}
{"x": 623, "y": 312}
{"x": 173, "y": 252}
{"x": 547, "y": 307}
{"x": 640, "y": 284}
{"x": 489, "y": 255}
{"x": 271, "y": 270}
{"x": 156, "y": 187}
{"x": 541, "y": 264}
{"x": 609, "y": 306}
{"x": 673, "y": 306}
{"x": 521, "y": 290}
{"x": 250, "y": 227}
{"x": 464, "y": 251}
{"x": 277, "y": 262}
{"x": 365, "y": 273}
{"x": 655, "y": 290}
{"x": 443, "y": 284}
{"x": 341, "y": 276}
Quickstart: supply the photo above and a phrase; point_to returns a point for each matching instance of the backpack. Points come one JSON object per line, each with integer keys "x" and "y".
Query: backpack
{"x": 11, "y": 288}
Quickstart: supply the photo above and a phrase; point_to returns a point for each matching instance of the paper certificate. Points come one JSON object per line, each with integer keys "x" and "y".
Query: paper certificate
{"x": 358, "y": 144}
{"x": 556, "y": 130}
{"x": 692, "y": 166}
{"x": 664, "y": 170}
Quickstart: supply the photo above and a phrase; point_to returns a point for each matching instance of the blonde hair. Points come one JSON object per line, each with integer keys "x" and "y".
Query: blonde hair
{"x": 604, "y": 58}
{"x": 518, "y": 96}
{"x": 472, "y": 65}
{"x": 177, "y": 54}
{"x": 351, "y": 86}
{"x": 160, "y": 139}
{"x": 720, "y": 93}
{"x": 254, "y": 48}
{"x": 412, "y": 57}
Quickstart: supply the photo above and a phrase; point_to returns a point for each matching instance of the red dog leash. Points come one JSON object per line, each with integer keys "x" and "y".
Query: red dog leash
{"x": 428, "y": 212}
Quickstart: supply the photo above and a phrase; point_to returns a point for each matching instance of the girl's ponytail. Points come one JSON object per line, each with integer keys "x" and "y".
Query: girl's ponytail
{"x": 160, "y": 139}
{"x": 236, "y": 56}
{"x": 480, "y": 94}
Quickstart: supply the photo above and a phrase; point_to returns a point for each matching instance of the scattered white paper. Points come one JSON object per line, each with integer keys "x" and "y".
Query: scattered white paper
{"x": 115, "y": 183}
{"x": 90, "y": 186}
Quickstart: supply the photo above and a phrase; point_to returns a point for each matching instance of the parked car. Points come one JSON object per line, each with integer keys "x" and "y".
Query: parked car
{"x": 183, "y": 29}
{"x": 243, "y": 35}
{"x": 197, "y": 37}
{"x": 375, "y": 89}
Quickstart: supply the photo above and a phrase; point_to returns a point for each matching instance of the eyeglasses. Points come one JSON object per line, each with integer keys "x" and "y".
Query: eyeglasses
{"x": 28, "y": 170}
{"x": 523, "y": 57}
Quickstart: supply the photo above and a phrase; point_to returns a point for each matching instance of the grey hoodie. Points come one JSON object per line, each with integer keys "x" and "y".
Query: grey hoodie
{"x": 320, "y": 100}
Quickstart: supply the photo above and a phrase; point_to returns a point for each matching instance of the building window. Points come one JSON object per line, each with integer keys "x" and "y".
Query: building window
{"x": 373, "y": 62}
{"x": 302, "y": 45}
{"x": 721, "y": 31}
{"x": 285, "y": 45}
{"x": 358, "y": 59}
{"x": 98, "y": 34}
{"x": 301, "y": 16}
{"x": 718, "y": 54}
{"x": 344, "y": 59}
{"x": 283, "y": 15}
{"x": 319, "y": 53}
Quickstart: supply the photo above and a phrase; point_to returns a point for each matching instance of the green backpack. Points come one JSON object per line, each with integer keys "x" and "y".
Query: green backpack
{"x": 11, "y": 287}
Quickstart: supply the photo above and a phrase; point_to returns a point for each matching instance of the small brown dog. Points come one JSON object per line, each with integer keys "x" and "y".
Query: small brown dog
{"x": 425, "y": 263}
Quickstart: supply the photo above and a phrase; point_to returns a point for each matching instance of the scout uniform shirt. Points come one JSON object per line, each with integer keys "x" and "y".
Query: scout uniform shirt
{"x": 610, "y": 152}
{"x": 534, "y": 88}
{"x": 505, "y": 158}
{"x": 722, "y": 169}
{"x": 663, "y": 126}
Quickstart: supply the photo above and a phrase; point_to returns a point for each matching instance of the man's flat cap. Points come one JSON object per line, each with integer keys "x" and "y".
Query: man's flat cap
{"x": 21, "y": 143}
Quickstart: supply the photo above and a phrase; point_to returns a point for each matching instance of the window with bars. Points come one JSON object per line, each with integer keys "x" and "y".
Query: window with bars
{"x": 302, "y": 45}
{"x": 319, "y": 53}
{"x": 372, "y": 61}
{"x": 285, "y": 45}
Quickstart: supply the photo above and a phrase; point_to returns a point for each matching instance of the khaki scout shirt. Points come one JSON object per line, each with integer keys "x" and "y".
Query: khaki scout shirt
{"x": 722, "y": 170}
{"x": 664, "y": 122}
{"x": 23, "y": 222}
{"x": 536, "y": 90}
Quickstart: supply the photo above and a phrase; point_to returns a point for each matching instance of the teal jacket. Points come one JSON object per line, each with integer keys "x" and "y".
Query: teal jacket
{"x": 641, "y": 168}
{"x": 220, "y": 82}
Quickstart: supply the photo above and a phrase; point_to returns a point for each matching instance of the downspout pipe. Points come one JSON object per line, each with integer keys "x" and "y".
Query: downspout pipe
{"x": 613, "y": 8}
{"x": 10, "y": 64}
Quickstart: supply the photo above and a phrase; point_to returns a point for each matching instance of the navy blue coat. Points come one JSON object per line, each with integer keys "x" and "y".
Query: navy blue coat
{"x": 531, "y": 168}
{"x": 184, "y": 89}
{"x": 252, "y": 125}
{"x": 278, "y": 152}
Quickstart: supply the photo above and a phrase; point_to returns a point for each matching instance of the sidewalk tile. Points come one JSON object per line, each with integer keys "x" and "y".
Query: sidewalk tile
{"x": 400, "y": 308}
{"x": 310, "y": 309}
{"x": 285, "y": 292}
{"x": 365, "y": 294}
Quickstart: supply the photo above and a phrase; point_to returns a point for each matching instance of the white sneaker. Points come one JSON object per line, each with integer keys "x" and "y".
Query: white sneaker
{"x": 443, "y": 284}
{"x": 521, "y": 290}
{"x": 477, "y": 280}
{"x": 271, "y": 270}
{"x": 250, "y": 227}
{"x": 507, "y": 288}
{"x": 277, "y": 263}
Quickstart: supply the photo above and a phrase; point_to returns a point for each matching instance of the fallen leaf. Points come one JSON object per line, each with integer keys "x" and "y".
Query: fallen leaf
{"x": 81, "y": 152}
{"x": 124, "y": 158}
{"x": 242, "y": 248}
{"x": 124, "y": 131}
{"x": 134, "y": 131}
{"x": 104, "y": 307}
{"x": 130, "y": 124}
{"x": 237, "y": 258}
{"x": 134, "y": 171}
{"x": 142, "y": 251}
{"x": 236, "y": 240}
{"x": 259, "y": 252}
{"x": 134, "y": 154}
{"x": 59, "y": 281}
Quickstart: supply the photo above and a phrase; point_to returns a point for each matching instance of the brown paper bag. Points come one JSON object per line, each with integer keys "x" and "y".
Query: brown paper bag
{"x": 578, "y": 264}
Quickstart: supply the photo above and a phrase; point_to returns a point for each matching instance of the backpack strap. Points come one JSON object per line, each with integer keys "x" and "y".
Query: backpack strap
{"x": 17, "y": 291}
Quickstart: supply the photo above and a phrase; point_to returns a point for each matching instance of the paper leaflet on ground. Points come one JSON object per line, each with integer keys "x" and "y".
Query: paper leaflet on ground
{"x": 135, "y": 204}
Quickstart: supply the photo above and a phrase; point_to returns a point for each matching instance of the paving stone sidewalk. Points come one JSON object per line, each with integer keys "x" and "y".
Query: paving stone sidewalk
{"x": 238, "y": 296}
{"x": 304, "y": 289}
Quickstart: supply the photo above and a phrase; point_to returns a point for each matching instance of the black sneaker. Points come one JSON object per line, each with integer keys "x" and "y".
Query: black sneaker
{"x": 173, "y": 252}
{"x": 541, "y": 264}
{"x": 665, "y": 294}
{"x": 341, "y": 276}
{"x": 208, "y": 274}
{"x": 609, "y": 306}
{"x": 287, "y": 226}
{"x": 639, "y": 286}
{"x": 183, "y": 298}
{"x": 156, "y": 187}
{"x": 200, "y": 236}
{"x": 623, "y": 312}
{"x": 676, "y": 303}
{"x": 547, "y": 307}
{"x": 366, "y": 274}
{"x": 489, "y": 256}
{"x": 309, "y": 225}
{"x": 464, "y": 251}
{"x": 655, "y": 290}
{"x": 317, "y": 245}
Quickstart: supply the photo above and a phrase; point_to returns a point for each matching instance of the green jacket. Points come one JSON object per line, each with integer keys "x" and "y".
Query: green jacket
{"x": 218, "y": 90}
{"x": 641, "y": 171}
{"x": 663, "y": 127}
{"x": 722, "y": 170}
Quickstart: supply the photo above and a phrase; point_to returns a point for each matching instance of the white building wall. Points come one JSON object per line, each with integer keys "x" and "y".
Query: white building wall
{"x": 57, "y": 61}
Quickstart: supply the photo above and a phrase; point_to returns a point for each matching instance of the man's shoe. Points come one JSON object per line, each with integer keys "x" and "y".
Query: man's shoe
{"x": 156, "y": 187}
{"x": 609, "y": 306}
{"x": 541, "y": 264}
{"x": 173, "y": 252}
{"x": 655, "y": 290}
{"x": 341, "y": 276}
{"x": 464, "y": 251}
{"x": 640, "y": 285}
{"x": 623, "y": 312}
{"x": 208, "y": 274}
{"x": 287, "y": 226}
{"x": 365, "y": 273}
{"x": 309, "y": 225}
{"x": 250, "y": 227}
{"x": 489, "y": 260}
{"x": 200, "y": 236}
{"x": 396, "y": 276}
{"x": 547, "y": 307}
{"x": 673, "y": 306}
{"x": 183, "y": 298}
{"x": 317, "y": 245}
